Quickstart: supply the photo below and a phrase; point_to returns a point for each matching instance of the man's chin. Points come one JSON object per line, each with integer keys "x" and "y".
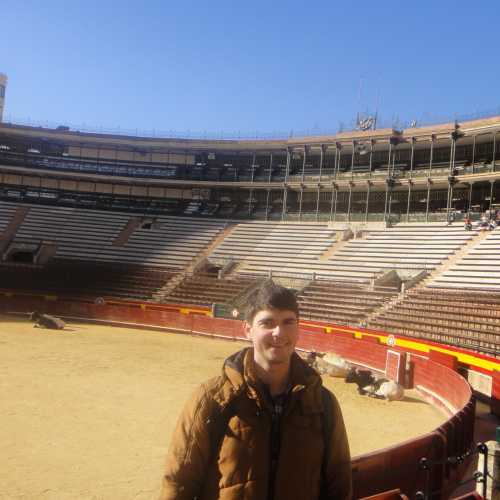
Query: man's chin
{"x": 279, "y": 356}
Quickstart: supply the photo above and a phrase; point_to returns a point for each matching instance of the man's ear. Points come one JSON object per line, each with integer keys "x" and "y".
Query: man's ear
{"x": 248, "y": 332}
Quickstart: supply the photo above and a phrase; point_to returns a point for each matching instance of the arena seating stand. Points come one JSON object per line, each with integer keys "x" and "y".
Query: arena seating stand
{"x": 278, "y": 247}
{"x": 341, "y": 302}
{"x": 298, "y": 249}
{"x": 206, "y": 290}
{"x": 86, "y": 279}
{"x": 7, "y": 211}
{"x": 463, "y": 318}
{"x": 88, "y": 235}
{"x": 478, "y": 269}
{"x": 405, "y": 247}
{"x": 110, "y": 260}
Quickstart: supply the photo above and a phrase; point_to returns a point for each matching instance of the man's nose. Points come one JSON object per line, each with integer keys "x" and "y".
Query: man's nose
{"x": 277, "y": 330}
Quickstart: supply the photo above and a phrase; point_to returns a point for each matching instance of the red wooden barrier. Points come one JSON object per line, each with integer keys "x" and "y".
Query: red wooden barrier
{"x": 495, "y": 403}
{"x": 445, "y": 359}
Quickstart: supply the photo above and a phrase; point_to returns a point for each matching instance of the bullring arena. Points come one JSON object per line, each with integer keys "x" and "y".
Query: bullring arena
{"x": 89, "y": 411}
{"x": 149, "y": 248}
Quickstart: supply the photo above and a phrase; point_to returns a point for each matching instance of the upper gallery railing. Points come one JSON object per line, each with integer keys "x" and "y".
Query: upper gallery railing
{"x": 380, "y": 122}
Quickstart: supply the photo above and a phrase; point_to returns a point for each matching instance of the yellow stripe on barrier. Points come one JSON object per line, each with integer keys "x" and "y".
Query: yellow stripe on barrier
{"x": 52, "y": 298}
{"x": 468, "y": 359}
{"x": 188, "y": 310}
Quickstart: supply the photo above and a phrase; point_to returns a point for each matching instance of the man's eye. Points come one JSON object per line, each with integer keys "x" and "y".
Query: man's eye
{"x": 267, "y": 324}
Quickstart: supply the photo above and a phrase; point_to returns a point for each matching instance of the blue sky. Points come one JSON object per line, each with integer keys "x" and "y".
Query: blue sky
{"x": 246, "y": 67}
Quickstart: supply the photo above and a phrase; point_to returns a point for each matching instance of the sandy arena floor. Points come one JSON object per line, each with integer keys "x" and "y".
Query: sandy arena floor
{"x": 87, "y": 413}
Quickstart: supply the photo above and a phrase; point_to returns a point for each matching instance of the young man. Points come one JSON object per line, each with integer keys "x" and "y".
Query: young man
{"x": 265, "y": 429}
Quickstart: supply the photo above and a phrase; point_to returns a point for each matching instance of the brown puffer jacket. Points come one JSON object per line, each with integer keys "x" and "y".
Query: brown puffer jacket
{"x": 240, "y": 470}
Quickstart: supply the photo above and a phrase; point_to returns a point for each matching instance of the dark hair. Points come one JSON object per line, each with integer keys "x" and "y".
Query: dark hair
{"x": 271, "y": 296}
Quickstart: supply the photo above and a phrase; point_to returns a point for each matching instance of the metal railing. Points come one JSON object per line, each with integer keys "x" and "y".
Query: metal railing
{"x": 394, "y": 122}
{"x": 479, "y": 477}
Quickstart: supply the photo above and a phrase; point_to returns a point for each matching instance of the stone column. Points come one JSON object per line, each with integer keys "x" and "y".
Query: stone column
{"x": 354, "y": 144}
{"x": 473, "y": 153}
{"x": 253, "y": 168}
{"x": 267, "y": 203}
{"x": 333, "y": 206}
{"x": 433, "y": 138}
{"x": 351, "y": 184}
{"x": 493, "y": 164}
{"x": 321, "y": 159}
{"x": 317, "y": 200}
{"x": 389, "y": 159}
{"x": 283, "y": 209}
{"x": 389, "y": 186}
{"x": 410, "y": 183}
{"x": 338, "y": 149}
{"x": 449, "y": 201}
{"x": 429, "y": 183}
{"x": 304, "y": 164}
{"x": 372, "y": 143}
{"x": 300, "y": 200}
{"x": 368, "y": 188}
{"x": 270, "y": 168}
{"x": 288, "y": 161}
{"x": 412, "y": 156}
{"x": 250, "y": 197}
{"x": 452, "y": 154}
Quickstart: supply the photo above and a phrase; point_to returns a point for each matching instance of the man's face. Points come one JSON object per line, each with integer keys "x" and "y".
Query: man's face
{"x": 274, "y": 333}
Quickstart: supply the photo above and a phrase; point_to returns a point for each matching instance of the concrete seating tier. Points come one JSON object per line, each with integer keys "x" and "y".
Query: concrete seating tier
{"x": 302, "y": 269}
{"x": 405, "y": 247}
{"x": 443, "y": 333}
{"x": 89, "y": 235}
{"x": 7, "y": 211}
{"x": 296, "y": 249}
{"x": 341, "y": 303}
{"x": 275, "y": 246}
{"x": 443, "y": 304}
{"x": 86, "y": 279}
{"x": 464, "y": 318}
{"x": 465, "y": 298}
{"x": 479, "y": 269}
{"x": 206, "y": 290}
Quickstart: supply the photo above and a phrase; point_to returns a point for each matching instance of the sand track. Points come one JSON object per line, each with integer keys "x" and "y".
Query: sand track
{"x": 87, "y": 413}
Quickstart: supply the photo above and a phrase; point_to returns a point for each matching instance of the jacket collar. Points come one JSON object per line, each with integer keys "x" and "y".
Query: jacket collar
{"x": 239, "y": 375}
